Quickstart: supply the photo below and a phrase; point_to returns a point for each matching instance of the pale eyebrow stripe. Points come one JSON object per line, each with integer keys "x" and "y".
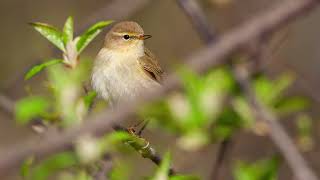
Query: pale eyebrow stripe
{"x": 122, "y": 34}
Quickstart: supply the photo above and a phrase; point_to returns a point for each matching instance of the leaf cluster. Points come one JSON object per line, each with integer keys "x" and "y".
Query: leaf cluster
{"x": 208, "y": 109}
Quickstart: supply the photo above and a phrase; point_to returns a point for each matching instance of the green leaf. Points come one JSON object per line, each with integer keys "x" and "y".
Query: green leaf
{"x": 269, "y": 92}
{"x": 163, "y": 171}
{"x": 117, "y": 137}
{"x": 204, "y": 96}
{"x": 67, "y": 86}
{"x": 26, "y": 167}
{"x": 109, "y": 141}
{"x": 193, "y": 86}
{"x": 90, "y": 34}
{"x": 89, "y": 98}
{"x": 264, "y": 90}
{"x": 194, "y": 140}
{"x": 291, "y": 105}
{"x": 68, "y": 30}
{"x": 221, "y": 79}
{"x": 304, "y": 125}
{"x": 241, "y": 106}
{"x": 120, "y": 170}
{"x": 281, "y": 84}
{"x": 51, "y": 33}
{"x": 184, "y": 177}
{"x": 53, "y": 164}
{"x": 38, "y": 68}
{"x": 30, "y": 107}
{"x": 227, "y": 124}
{"x": 83, "y": 175}
{"x": 261, "y": 170}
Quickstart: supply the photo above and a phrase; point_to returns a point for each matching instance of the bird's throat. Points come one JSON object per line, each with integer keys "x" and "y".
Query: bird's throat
{"x": 124, "y": 52}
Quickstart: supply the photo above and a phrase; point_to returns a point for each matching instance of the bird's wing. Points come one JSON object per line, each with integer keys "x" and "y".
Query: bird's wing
{"x": 151, "y": 66}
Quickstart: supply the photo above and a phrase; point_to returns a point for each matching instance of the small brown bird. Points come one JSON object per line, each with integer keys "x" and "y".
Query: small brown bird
{"x": 124, "y": 67}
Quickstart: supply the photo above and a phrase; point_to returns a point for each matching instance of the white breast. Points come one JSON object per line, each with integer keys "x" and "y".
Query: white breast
{"x": 118, "y": 76}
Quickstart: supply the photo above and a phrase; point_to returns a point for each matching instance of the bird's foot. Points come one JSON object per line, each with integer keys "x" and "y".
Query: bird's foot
{"x": 132, "y": 129}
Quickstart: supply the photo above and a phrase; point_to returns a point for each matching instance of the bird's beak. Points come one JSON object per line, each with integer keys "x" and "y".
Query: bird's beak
{"x": 144, "y": 37}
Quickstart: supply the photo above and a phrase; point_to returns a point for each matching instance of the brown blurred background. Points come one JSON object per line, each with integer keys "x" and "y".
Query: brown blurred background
{"x": 173, "y": 38}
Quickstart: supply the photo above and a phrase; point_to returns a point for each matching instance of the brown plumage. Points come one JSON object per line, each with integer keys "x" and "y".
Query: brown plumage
{"x": 151, "y": 66}
{"x": 124, "y": 67}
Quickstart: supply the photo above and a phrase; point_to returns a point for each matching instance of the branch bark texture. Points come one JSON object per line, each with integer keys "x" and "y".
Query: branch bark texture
{"x": 277, "y": 133}
{"x": 212, "y": 55}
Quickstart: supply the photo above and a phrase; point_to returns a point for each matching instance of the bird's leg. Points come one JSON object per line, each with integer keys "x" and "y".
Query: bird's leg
{"x": 146, "y": 122}
{"x": 132, "y": 129}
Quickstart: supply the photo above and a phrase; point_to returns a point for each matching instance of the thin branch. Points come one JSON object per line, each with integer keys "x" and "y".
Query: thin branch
{"x": 198, "y": 19}
{"x": 302, "y": 81}
{"x": 214, "y": 54}
{"x": 114, "y": 10}
{"x": 277, "y": 133}
{"x": 301, "y": 77}
{"x": 221, "y": 155}
{"x": 105, "y": 165}
{"x": 145, "y": 149}
{"x": 6, "y": 104}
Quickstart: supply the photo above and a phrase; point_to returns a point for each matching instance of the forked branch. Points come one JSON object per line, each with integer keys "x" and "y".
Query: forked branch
{"x": 203, "y": 60}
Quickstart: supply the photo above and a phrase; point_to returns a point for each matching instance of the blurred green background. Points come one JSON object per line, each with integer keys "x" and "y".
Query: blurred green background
{"x": 173, "y": 39}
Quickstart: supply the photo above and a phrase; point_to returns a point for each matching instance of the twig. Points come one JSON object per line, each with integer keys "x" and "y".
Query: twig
{"x": 221, "y": 155}
{"x": 200, "y": 22}
{"x": 277, "y": 133}
{"x": 114, "y": 10}
{"x": 105, "y": 165}
{"x": 214, "y": 54}
{"x": 312, "y": 93}
{"x": 145, "y": 149}
{"x": 6, "y": 104}
{"x": 198, "y": 19}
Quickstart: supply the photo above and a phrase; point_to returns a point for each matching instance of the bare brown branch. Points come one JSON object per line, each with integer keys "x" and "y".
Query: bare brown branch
{"x": 105, "y": 165}
{"x": 198, "y": 19}
{"x": 214, "y": 54}
{"x": 277, "y": 133}
{"x": 114, "y": 10}
{"x": 145, "y": 149}
{"x": 6, "y": 104}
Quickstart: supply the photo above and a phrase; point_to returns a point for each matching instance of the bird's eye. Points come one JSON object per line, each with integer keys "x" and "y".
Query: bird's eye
{"x": 126, "y": 37}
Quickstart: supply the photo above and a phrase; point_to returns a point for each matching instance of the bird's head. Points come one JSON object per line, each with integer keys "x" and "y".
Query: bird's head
{"x": 125, "y": 36}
